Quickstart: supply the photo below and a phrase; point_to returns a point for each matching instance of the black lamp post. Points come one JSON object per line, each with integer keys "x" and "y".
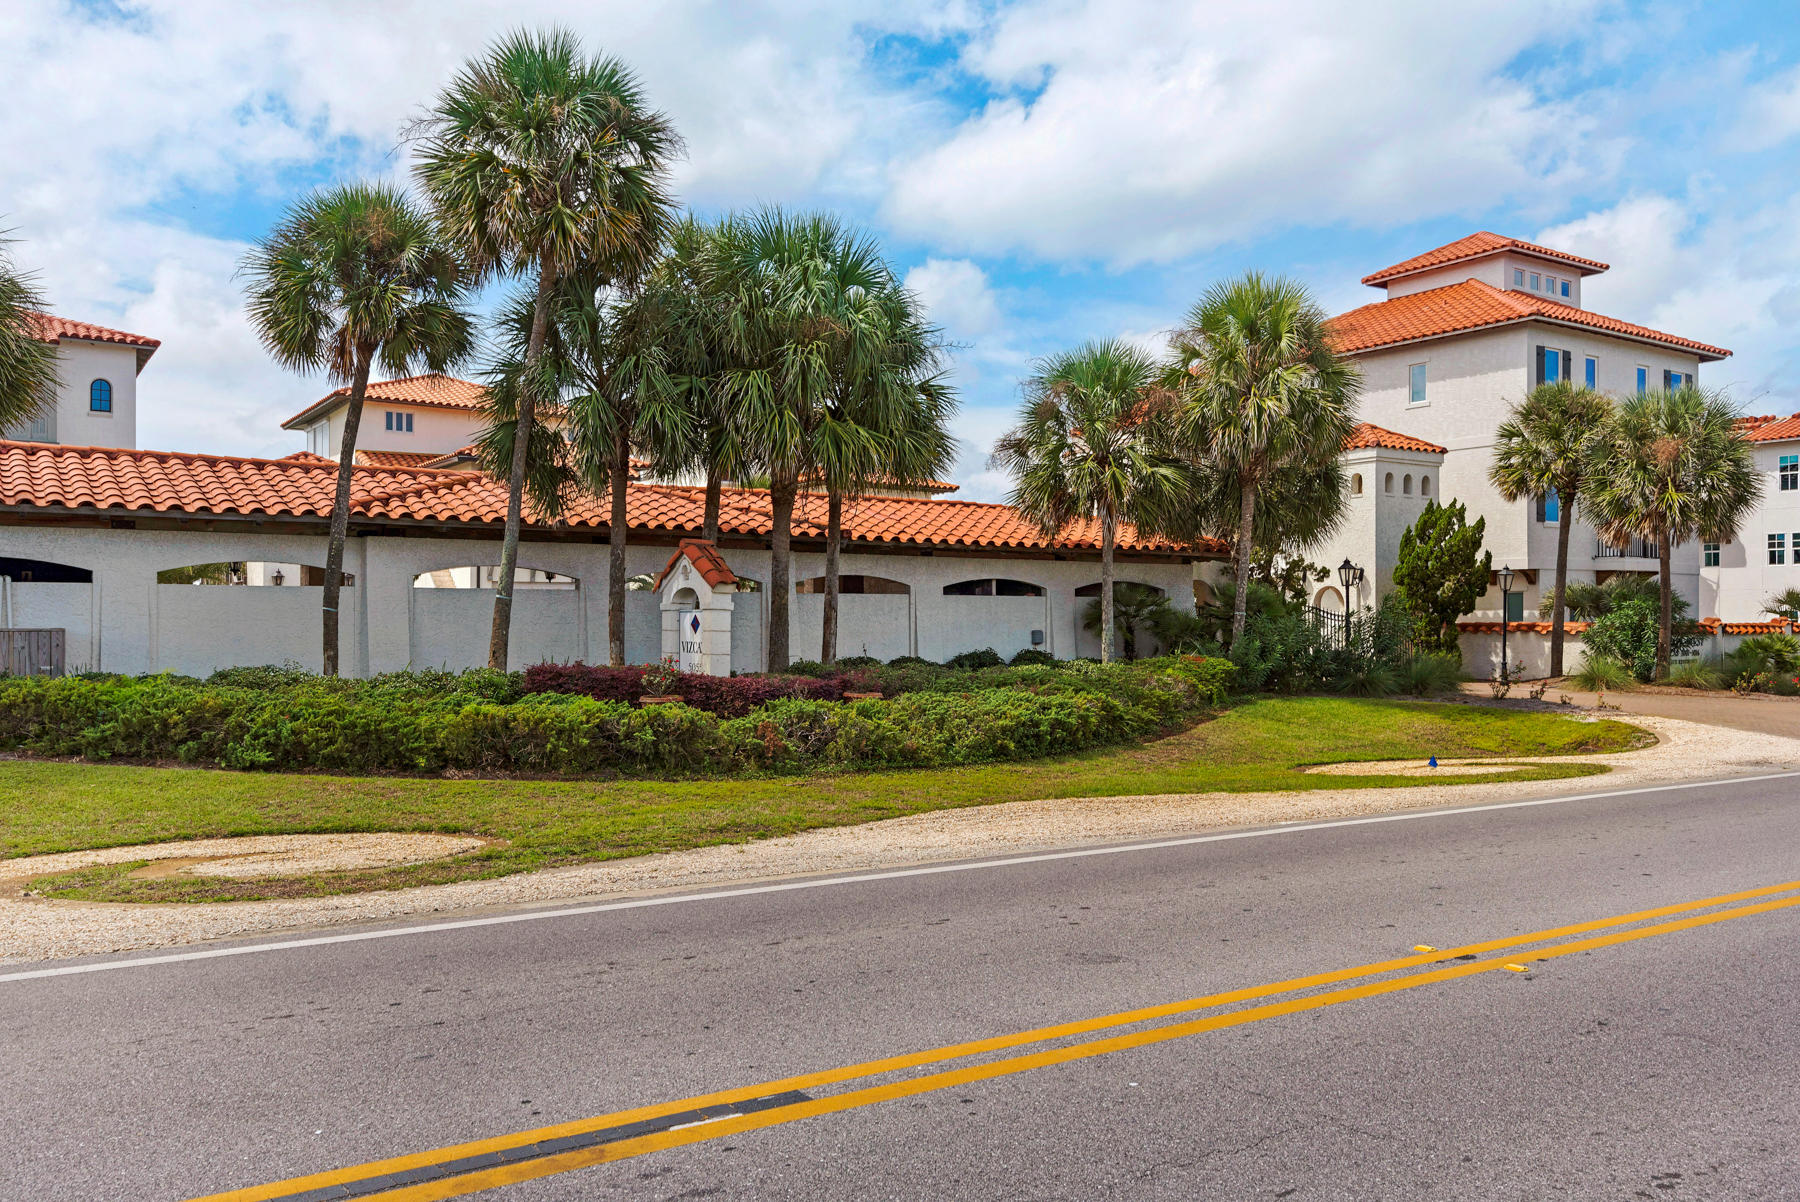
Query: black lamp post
{"x": 1350, "y": 576}
{"x": 1506, "y": 579}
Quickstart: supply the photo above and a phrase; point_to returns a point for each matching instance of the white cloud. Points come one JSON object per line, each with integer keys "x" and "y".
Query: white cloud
{"x": 957, "y": 295}
{"x": 1133, "y": 131}
{"x": 1771, "y": 112}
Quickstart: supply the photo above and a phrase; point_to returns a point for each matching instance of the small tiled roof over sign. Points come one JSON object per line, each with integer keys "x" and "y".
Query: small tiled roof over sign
{"x": 433, "y": 390}
{"x": 106, "y": 479}
{"x": 1474, "y": 305}
{"x": 47, "y": 327}
{"x": 1368, "y": 435}
{"x": 1771, "y": 429}
{"x": 706, "y": 560}
{"x": 1479, "y": 246}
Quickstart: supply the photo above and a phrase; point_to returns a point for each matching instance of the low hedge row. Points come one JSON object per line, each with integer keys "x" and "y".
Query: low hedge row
{"x": 432, "y": 726}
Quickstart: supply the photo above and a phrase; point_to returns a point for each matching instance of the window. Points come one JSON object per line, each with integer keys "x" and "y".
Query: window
{"x": 1424, "y": 486}
{"x": 1709, "y": 555}
{"x": 399, "y": 423}
{"x": 1387, "y": 484}
{"x": 1643, "y": 380}
{"x": 993, "y": 588}
{"x": 1675, "y": 379}
{"x": 100, "y": 396}
{"x": 1518, "y": 277}
{"x": 1515, "y": 607}
{"x": 1549, "y": 508}
{"x": 1790, "y": 473}
{"x": 1592, "y": 371}
{"x": 39, "y": 429}
{"x": 1778, "y": 548}
{"x": 1550, "y": 284}
{"x": 1406, "y": 485}
{"x": 1536, "y": 285}
{"x": 1553, "y": 365}
{"x": 1356, "y": 485}
{"x": 852, "y": 585}
{"x": 1565, "y": 287}
{"x": 1417, "y": 379}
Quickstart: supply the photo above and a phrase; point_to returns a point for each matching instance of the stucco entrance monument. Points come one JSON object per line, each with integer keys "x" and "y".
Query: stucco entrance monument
{"x": 698, "y": 592}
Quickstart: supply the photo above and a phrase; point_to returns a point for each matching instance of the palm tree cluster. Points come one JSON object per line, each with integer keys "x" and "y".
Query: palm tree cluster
{"x": 766, "y": 344}
{"x": 1666, "y": 467}
{"x": 1235, "y": 434}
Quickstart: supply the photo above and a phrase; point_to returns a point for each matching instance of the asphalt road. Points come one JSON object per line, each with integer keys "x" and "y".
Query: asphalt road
{"x": 1663, "y": 1066}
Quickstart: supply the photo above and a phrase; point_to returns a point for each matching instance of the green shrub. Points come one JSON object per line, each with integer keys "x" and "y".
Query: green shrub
{"x": 1697, "y": 674}
{"x": 1627, "y": 633}
{"x": 1031, "y": 655}
{"x": 1777, "y": 654}
{"x": 1430, "y": 673}
{"x": 1367, "y": 678}
{"x": 1601, "y": 673}
{"x": 968, "y": 661}
{"x": 806, "y": 667}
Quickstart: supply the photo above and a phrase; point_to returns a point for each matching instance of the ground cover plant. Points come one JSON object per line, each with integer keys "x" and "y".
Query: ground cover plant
{"x": 1259, "y": 746}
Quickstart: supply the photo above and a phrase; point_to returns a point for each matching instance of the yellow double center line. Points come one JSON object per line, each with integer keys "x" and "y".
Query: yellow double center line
{"x": 541, "y": 1166}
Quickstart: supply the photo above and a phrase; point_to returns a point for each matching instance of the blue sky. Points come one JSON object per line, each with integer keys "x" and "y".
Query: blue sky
{"x": 1044, "y": 173}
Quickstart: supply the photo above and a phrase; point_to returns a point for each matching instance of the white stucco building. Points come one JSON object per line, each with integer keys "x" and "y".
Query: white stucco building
{"x": 96, "y": 387}
{"x": 1738, "y": 578}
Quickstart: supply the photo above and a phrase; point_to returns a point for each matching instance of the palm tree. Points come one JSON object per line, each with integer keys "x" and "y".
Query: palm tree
{"x": 353, "y": 275}
{"x": 27, "y": 361}
{"x": 1263, "y": 390}
{"x": 1674, "y": 467}
{"x": 1089, "y": 446}
{"x": 1785, "y": 604}
{"x": 1544, "y": 449}
{"x": 540, "y": 160}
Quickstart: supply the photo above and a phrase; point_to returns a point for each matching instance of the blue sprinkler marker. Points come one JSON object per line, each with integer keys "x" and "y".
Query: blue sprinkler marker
{"x": 1433, "y": 761}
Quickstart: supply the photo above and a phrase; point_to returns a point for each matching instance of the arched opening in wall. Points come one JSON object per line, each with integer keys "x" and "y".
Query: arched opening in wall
{"x": 1406, "y": 485}
{"x": 1133, "y": 604}
{"x": 1329, "y": 600}
{"x": 1387, "y": 483}
{"x": 1356, "y": 484}
{"x": 1424, "y": 486}
{"x": 996, "y": 587}
{"x": 38, "y": 599}
{"x": 253, "y": 573}
{"x": 42, "y": 571}
{"x": 488, "y": 576}
{"x": 853, "y": 585}
{"x": 685, "y": 598}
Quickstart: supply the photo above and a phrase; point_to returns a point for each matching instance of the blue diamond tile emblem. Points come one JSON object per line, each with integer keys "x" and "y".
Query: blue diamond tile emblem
{"x": 694, "y": 623}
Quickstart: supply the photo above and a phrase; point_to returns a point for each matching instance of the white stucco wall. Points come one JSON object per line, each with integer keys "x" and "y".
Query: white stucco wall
{"x": 131, "y": 624}
{"x": 1496, "y": 270}
{"x": 1736, "y": 589}
{"x": 436, "y": 430}
{"x": 73, "y": 423}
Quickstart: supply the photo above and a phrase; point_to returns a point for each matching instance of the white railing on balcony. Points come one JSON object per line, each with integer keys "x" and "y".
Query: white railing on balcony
{"x": 1637, "y": 548}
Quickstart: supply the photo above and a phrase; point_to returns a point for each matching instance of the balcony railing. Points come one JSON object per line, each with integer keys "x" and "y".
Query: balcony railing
{"x": 1637, "y": 548}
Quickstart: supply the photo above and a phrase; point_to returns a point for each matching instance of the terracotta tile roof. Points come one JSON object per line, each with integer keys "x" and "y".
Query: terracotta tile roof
{"x": 305, "y": 457}
{"x": 1777, "y": 626}
{"x": 1476, "y": 246}
{"x": 433, "y": 390}
{"x": 1575, "y": 628}
{"x": 927, "y": 486}
{"x": 47, "y": 327}
{"x": 397, "y": 458}
{"x": 456, "y": 458}
{"x": 1770, "y": 429}
{"x": 105, "y": 478}
{"x": 1473, "y": 305}
{"x": 1369, "y": 435}
{"x": 706, "y": 560}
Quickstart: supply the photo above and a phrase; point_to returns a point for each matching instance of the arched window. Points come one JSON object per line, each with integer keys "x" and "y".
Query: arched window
{"x": 100, "y": 396}
{"x": 1387, "y": 484}
{"x": 1424, "y": 486}
{"x": 851, "y": 585}
{"x": 1356, "y": 485}
{"x": 1406, "y": 485}
{"x": 993, "y": 588}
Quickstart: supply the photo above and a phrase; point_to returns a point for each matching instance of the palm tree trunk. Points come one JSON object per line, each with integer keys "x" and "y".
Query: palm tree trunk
{"x": 1107, "y": 522}
{"x": 1666, "y": 619}
{"x": 1562, "y": 583}
{"x": 1240, "y": 604}
{"x": 340, "y": 512}
{"x": 501, "y": 634}
{"x": 782, "y": 488}
{"x": 834, "y": 537}
{"x": 619, "y": 484}
{"x": 715, "y": 487}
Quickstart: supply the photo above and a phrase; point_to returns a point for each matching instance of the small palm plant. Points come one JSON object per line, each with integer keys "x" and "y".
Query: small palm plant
{"x": 1264, "y": 392}
{"x": 1673, "y": 468}
{"x": 1785, "y": 604}
{"x": 539, "y": 161}
{"x": 1089, "y": 446}
{"x": 352, "y": 276}
{"x": 27, "y": 361}
{"x": 1544, "y": 449}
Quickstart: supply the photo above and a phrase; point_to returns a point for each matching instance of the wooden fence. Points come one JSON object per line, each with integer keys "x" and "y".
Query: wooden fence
{"x": 31, "y": 652}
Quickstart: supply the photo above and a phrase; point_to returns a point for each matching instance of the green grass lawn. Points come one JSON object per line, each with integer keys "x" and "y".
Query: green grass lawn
{"x": 48, "y": 807}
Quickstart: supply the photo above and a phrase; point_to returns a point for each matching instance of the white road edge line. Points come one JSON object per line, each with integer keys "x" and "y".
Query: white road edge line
{"x": 855, "y": 879}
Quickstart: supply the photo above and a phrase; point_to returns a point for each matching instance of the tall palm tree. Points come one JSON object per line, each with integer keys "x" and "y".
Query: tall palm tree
{"x": 27, "y": 361}
{"x": 1545, "y": 449}
{"x": 1673, "y": 468}
{"x": 1089, "y": 445}
{"x": 540, "y": 160}
{"x": 798, "y": 323}
{"x": 1263, "y": 389}
{"x": 353, "y": 275}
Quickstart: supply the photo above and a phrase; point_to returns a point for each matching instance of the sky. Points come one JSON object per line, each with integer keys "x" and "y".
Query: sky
{"x": 1041, "y": 173}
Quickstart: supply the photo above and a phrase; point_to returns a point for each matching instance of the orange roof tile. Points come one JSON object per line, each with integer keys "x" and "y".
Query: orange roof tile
{"x": 1476, "y": 246}
{"x": 433, "y": 390}
{"x": 1369, "y": 435}
{"x": 305, "y": 457}
{"x": 706, "y": 560}
{"x": 1474, "y": 305}
{"x": 47, "y": 327}
{"x": 888, "y": 482}
{"x": 104, "y": 478}
{"x": 397, "y": 458}
{"x": 1770, "y": 429}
